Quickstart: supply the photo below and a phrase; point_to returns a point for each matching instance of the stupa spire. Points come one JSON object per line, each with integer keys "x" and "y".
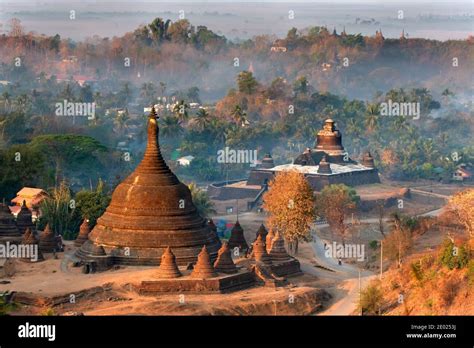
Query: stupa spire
{"x": 268, "y": 240}
{"x": 262, "y": 231}
{"x": 237, "y": 239}
{"x": 83, "y": 235}
{"x": 153, "y": 162}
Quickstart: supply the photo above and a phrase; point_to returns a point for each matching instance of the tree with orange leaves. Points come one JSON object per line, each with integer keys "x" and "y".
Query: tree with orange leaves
{"x": 289, "y": 202}
{"x": 334, "y": 203}
{"x": 462, "y": 205}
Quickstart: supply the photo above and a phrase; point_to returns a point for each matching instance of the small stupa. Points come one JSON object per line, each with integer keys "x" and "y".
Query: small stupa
{"x": 267, "y": 162}
{"x": 24, "y": 219}
{"x": 8, "y": 228}
{"x": 168, "y": 268}
{"x": 203, "y": 268}
{"x": 259, "y": 252}
{"x": 224, "y": 262}
{"x": 269, "y": 240}
{"x": 237, "y": 239}
{"x": 368, "y": 160}
{"x": 26, "y": 236}
{"x": 47, "y": 240}
{"x": 262, "y": 231}
{"x": 83, "y": 235}
{"x": 29, "y": 238}
{"x": 278, "y": 252}
{"x": 324, "y": 166}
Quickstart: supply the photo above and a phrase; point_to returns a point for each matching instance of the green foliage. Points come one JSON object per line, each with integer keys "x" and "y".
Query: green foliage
{"x": 203, "y": 168}
{"x": 201, "y": 201}
{"x": 58, "y": 210}
{"x": 246, "y": 82}
{"x": 453, "y": 256}
{"x": 69, "y": 153}
{"x": 48, "y": 312}
{"x": 470, "y": 272}
{"x": 92, "y": 204}
{"x": 22, "y": 165}
{"x": 6, "y": 306}
{"x": 371, "y": 300}
{"x": 417, "y": 271}
{"x": 373, "y": 244}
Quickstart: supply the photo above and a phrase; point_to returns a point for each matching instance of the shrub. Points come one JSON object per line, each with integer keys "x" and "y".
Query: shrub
{"x": 373, "y": 244}
{"x": 470, "y": 272}
{"x": 371, "y": 300}
{"x": 448, "y": 291}
{"x": 452, "y": 256}
{"x": 417, "y": 271}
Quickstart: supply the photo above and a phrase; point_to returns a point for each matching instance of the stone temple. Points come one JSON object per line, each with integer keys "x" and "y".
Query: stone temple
{"x": 325, "y": 164}
{"x": 150, "y": 211}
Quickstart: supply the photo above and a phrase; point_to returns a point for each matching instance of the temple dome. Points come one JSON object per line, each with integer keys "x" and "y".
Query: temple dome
{"x": 329, "y": 138}
{"x": 151, "y": 210}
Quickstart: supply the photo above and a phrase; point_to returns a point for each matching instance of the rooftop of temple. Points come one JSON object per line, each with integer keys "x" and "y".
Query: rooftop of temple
{"x": 326, "y": 163}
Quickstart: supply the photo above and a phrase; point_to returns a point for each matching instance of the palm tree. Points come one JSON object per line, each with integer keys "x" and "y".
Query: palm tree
{"x": 443, "y": 139}
{"x": 6, "y": 100}
{"x": 121, "y": 120}
{"x": 181, "y": 111}
{"x": 147, "y": 92}
{"x": 202, "y": 119}
{"x": 162, "y": 88}
{"x": 239, "y": 116}
{"x": 217, "y": 130}
{"x": 428, "y": 149}
{"x": 22, "y": 102}
{"x": 446, "y": 95}
{"x": 171, "y": 126}
{"x": 353, "y": 128}
{"x": 201, "y": 201}
{"x": 371, "y": 117}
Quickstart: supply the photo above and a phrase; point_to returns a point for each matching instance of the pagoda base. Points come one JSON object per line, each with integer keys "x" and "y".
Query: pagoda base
{"x": 220, "y": 284}
{"x": 286, "y": 268}
{"x": 141, "y": 256}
